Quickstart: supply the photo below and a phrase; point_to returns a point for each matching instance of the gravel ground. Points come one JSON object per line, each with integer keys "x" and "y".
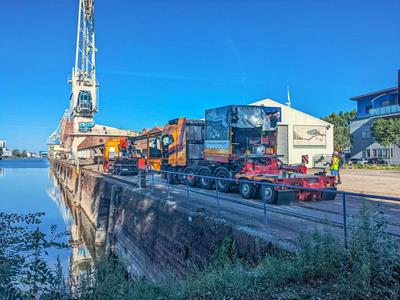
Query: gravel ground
{"x": 376, "y": 182}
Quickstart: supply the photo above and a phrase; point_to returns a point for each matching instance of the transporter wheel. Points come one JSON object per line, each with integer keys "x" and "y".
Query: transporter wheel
{"x": 205, "y": 183}
{"x": 268, "y": 194}
{"x": 247, "y": 190}
{"x": 171, "y": 178}
{"x": 190, "y": 177}
{"x": 222, "y": 185}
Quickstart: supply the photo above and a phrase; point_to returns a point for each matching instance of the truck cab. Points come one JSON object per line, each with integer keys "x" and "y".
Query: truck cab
{"x": 182, "y": 141}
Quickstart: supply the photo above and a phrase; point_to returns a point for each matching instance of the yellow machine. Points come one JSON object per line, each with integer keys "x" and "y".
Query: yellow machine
{"x": 112, "y": 148}
{"x": 121, "y": 158}
{"x": 153, "y": 151}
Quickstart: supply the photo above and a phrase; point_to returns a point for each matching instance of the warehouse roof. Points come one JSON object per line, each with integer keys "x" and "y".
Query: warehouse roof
{"x": 270, "y": 102}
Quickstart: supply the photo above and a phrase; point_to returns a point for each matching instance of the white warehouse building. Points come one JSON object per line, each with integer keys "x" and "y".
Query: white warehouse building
{"x": 302, "y": 136}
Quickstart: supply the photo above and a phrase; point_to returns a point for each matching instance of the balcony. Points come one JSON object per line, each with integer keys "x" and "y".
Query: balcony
{"x": 385, "y": 110}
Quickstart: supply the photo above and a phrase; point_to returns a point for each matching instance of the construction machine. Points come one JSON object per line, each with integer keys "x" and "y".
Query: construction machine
{"x": 121, "y": 158}
{"x": 150, "y": 145}
{"x": 236, "y": 143}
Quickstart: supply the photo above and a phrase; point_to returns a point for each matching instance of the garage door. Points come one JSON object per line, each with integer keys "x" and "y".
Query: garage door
{"x": 283, "y": 143}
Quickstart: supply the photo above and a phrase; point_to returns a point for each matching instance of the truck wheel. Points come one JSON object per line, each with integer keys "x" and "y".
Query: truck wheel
{"x": 268, "y": 194}
{"x": 247, "y": 190}
{"x": 205, "y": 183}
{"x": 222, "y": 185}
{"x": 190, "y": 177}
{"x": 171, "y": 178}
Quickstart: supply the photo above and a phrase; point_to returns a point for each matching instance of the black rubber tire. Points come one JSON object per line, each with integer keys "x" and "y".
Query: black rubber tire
{"x": 247, "y": 190}
{"x": 222, "y": 185}
{"x": 268, "y": 194}
{"x": 329, "y": 196}
{"x": 205, "y": 183}
{"x": 171, "y": 178}
{"x": 190, "y": 178}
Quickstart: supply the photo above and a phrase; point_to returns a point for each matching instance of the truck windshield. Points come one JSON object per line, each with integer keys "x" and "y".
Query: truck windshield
{"x": 154, "y": 147}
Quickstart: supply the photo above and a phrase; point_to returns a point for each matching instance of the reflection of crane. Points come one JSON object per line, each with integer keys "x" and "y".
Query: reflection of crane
{"x": 83, "y": 100}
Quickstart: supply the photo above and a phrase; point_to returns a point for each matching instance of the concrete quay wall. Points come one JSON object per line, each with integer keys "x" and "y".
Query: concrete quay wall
{"x": 151, "y": 234}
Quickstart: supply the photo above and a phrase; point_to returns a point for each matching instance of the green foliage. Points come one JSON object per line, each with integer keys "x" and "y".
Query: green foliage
{"x": 321, "y": 268}
{"x": 386, "y": 131}
{"x": 23, "y": 251}
{"x": 16, "y": 153}
{"x": 341, "y": 121}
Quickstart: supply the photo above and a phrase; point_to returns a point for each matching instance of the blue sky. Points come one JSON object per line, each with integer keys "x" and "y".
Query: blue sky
{"x": 158, "y": 60}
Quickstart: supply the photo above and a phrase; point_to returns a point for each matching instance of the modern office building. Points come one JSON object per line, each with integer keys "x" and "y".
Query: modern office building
{"x": 380, "y": 104}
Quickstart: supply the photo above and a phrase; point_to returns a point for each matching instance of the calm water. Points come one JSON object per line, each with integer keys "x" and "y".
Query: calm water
{"x": 28, "y": 186}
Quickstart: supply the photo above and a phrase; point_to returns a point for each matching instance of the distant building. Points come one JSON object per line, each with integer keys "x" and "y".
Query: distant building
{"x": 372, "y": 106}
{"x": 301, "y": 135}
{"x": 6, "y": 153}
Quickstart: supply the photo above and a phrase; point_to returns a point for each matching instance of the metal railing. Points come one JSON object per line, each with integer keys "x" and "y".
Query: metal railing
{"x": 342, "y": 196}
{"x": 385, "y": 110}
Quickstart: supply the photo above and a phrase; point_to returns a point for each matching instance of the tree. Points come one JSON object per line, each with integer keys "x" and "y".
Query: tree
{"x": 16, "y": 153}
{"x": 341, "y": 121}
{"x": 386, "y": 131}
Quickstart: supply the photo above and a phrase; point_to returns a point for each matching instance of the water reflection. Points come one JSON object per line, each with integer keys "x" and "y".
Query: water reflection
{"x": 81, "y": 259}
{"x": 29, "y": 186}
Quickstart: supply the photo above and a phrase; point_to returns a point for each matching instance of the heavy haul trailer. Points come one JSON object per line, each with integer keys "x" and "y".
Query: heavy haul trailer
{"x": 120, "y": 158}
{"x": 244, "y": 140}
{"x": 240, "y": 143}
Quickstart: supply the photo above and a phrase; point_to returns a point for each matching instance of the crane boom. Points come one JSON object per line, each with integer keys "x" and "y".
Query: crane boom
{"x": 83, "y": 100}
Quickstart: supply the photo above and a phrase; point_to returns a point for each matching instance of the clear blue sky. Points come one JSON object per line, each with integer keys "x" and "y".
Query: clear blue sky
{"x": 157, "y": 60}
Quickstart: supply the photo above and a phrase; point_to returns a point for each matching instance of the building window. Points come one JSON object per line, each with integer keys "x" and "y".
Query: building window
{"x": 385, "y": 153}
{"x": 379, "y": 153}
{"x": 374, "y": 152}
{"x": 385, "y": 103}
{"x": 368, "y": 153}
{"x": 368, "y": 108}
{"x": 391, "y": 152}
{"x": 366, "y": 134}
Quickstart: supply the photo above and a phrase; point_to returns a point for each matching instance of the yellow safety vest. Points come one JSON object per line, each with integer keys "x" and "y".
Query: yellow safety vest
{"x": 335, "y": 163}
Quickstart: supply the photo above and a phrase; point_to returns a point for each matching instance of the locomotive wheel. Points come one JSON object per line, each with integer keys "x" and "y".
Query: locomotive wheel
{"x": 268, "y": 194}
{"x": 205, "y": 183}
{"x": 222, "y": 185}
{"x": 191, "y": 178}
{"x": 247, "y": 190}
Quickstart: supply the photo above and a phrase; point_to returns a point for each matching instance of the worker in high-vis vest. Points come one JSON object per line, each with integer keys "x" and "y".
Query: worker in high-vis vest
{"x": 335, "y": 165}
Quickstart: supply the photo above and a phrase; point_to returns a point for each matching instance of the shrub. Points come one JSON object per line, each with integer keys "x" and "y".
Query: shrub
{"x": 321, "y": 268}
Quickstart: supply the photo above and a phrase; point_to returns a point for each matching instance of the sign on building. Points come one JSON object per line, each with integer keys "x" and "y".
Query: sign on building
{"x": 309, "y": 135}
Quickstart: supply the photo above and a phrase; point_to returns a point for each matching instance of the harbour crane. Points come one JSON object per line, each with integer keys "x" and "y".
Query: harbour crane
{"x": 84, "y": 86}
{"x": 83, "y": 99}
